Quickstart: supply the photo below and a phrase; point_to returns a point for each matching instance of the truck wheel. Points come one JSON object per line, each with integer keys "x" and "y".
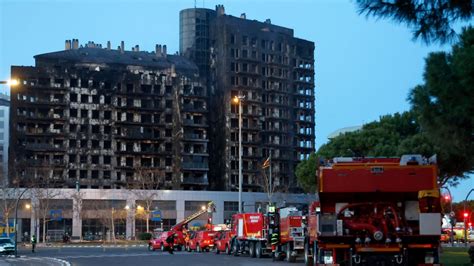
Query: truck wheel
{"x": 252, "y": 249}
{"x": 258, "y": 250}
{"x": 188, "y": 249}
{"x": 308, "y": 259}
{"x": 150, "y": 248}
{"x": 289, "y": 250}
{"x": 235, "y": 248}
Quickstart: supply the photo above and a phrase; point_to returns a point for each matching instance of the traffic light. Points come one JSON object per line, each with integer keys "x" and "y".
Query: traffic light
{"x": 465, "y": 214}
{"x": 209, "y": 220}
{"x": 446, "y": 197}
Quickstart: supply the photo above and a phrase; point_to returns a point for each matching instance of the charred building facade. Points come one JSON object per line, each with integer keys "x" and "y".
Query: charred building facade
{"x": 274, "y": 71}
{"x": 97, "y": 117}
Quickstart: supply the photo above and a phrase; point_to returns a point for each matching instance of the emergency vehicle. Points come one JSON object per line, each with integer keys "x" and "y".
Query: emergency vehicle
{"x": 375, "y": 211}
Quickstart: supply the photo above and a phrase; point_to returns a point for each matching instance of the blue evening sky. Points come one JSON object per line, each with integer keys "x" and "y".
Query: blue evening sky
{"x": 364, "y": 67}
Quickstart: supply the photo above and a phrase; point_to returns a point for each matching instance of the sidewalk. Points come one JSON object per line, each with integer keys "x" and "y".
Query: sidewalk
{"x": 83, "y": 244}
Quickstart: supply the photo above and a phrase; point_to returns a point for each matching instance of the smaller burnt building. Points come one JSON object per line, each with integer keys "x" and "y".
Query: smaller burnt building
{"x": 96, "y": 117}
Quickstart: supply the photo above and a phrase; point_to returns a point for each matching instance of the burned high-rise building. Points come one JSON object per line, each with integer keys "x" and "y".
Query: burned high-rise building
{"x": 96, "y": 117}
{"x": 274, "y": 72}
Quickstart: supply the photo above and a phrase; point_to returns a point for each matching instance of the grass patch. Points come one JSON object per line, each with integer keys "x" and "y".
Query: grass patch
{"x": 455, "y": 256}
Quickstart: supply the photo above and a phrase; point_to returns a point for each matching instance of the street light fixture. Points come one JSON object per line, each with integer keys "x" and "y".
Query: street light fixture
{"x": 238, "y": 100}
{"x": 10, "y": 82}
{"x": 27, "y": 206}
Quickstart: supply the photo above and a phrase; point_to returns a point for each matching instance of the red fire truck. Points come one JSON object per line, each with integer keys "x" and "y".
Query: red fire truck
{"x": 252, "y": 233}
{"x": 179, "y": 229}
{"x": 377, "y": 211}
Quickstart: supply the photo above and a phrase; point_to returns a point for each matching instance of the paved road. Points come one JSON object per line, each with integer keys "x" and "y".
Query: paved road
{"x": 118, "y": 256}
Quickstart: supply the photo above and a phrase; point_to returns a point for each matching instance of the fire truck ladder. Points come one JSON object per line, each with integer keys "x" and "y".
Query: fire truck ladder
{"x": 193, "y": 216}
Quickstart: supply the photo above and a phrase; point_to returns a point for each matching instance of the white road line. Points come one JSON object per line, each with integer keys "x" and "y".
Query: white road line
{"x": 122, "y": 255}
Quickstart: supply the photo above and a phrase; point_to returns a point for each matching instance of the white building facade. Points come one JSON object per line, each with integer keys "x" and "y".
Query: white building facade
{"x": 88, "y": 213}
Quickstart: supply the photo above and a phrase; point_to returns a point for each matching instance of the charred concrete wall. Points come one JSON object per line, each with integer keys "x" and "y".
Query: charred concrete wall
{"x": 98, "y": 117}
{"x": 275, "y": 72}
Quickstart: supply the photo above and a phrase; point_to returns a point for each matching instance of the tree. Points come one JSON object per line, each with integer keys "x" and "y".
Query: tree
{"x": 391, "y": 136}
{"x": 306, "y": 173}
{"x": 444, "y": 105}
{"x": 430, "y": 20}
{"x": 145, "y": 186}
{"x": 43, "y": 190}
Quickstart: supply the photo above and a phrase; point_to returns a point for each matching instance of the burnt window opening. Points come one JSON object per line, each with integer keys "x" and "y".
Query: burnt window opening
{"x": 107, "y": 114}
{"x": 95, "y": 144}
{"x": 146, "y": 89}
{"x": 84, "y": 129}
{"x": 168, "y": 147}
{"x": 73, "y": 83}
{"x": 95, "y": 99}
{"x": 72, "y": 128}
{"x": 83, "y": 174}
{"x": 107, "y": 160}
{"x": 95, "y": 129}
{"x": 129, "y": 162}
{"x": 44, "y": 81}
{"x": 84, "y": 98}
{"x": 106, "y": 175}
{"x": 72, "y": 143}
{"x": 107, "y": 99}
{"x": 72, "y": 174}
{"x": 168, "y": 118}
{"x": 83, "y": 159}
{"x": 83, "y": 143}
{"x": 168, "y": 89}
{"x": 73, "y": 113}
{"x": 107, "y": 144}
{"x": 168, "y": 162}
{"x": 107, "y": 130}
{"x": 169, "y": 104}
{"x": 130, "y": 87}
{"x": 95, "y": 159}
{"x": 73, "y": 97}
{"x": 84, "y": 113}
{"x": 95, "y": 114}
{"x": 94, "y": 174}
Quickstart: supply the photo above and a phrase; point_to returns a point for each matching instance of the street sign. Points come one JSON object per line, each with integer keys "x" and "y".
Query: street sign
{"x": 56, "y": 215}
{"x": 156, "y": 216}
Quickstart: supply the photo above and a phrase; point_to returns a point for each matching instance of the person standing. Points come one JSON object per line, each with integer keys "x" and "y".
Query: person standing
{"x": 33, "y": 243}
{"x": 170, "y": 242}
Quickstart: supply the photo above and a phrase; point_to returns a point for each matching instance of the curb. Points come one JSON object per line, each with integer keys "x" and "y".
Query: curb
{"x": 95, "y": 246}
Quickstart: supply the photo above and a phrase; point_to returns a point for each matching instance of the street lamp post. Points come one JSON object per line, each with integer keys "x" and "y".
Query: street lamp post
{"x": 16, "y": 218}
{"x": 464, "y": 213}
{"x": 451, "y": 237}
{"x": 238, "y": 99}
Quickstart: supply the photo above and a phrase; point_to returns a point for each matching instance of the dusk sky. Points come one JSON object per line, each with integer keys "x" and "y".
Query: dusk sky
{"x": 364, "y": 68}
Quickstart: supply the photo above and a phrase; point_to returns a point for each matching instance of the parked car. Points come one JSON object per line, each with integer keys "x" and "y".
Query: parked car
{"x": 200, "y": 241}
{"x": 158, "y": 241}
{"x": 222, "y": 243}
{"x": 6, "y": 246}
{"x": 470, "y": 236}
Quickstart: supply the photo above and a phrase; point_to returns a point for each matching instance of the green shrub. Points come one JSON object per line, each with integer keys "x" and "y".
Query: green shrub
{"x": 144, "y": 236}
